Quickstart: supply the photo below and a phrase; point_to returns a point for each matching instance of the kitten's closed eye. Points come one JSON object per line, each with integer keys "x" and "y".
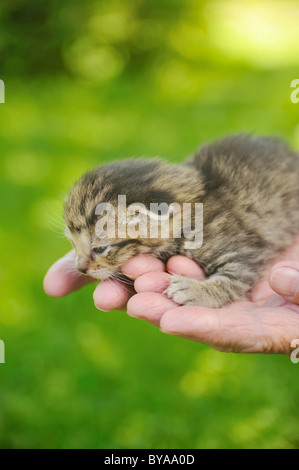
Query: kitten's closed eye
{"x": 100, "y": 250}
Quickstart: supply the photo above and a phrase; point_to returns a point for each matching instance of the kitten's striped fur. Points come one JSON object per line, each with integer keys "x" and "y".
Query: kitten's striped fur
{"x": 249, "y": 188}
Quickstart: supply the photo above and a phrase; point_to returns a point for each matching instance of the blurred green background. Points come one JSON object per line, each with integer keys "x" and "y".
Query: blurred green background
{"x": 89, "y": 82}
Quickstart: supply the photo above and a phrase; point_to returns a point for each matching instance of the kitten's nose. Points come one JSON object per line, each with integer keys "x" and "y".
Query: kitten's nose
{"x": 82, "y": 263}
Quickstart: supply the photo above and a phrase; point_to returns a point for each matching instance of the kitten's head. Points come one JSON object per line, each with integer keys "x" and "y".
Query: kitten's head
{"x": 101, "y": 248}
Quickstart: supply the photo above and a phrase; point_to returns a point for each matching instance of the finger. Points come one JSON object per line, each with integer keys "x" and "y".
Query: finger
{"x": 152, "y": 282}
{"x": 112, "y": 295}
{"x": 276, "y": 301}
{"x": 63, "y": 278}
{"x": 245, "y": 331}
{"x": 149, "y": 306}
{"x": 284, "y": 279}
{"x": 261, "y": 291}
{"x": 260, "y": 330}
{"x": 201, "y": 324}
{"x": 185, "y": 267}
{"x": 141, "y": 264}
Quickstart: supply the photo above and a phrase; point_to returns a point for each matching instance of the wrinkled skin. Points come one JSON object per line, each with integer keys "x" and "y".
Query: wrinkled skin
{"x": 266, "y": 323}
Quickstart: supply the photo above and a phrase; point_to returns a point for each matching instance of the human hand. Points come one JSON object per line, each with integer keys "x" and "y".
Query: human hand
{"x": 267, "y": 323}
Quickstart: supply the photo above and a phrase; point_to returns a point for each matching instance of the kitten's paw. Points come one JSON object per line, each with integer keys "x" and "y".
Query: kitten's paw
{"x": 184, "y": 290}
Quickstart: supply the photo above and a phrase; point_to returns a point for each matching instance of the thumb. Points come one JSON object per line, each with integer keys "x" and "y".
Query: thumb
{"x": 284, "y": 279}
{"x": 63, "y": 278}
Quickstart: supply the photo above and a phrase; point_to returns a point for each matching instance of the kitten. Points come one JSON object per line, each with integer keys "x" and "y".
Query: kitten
{"x": 249, "y": 188}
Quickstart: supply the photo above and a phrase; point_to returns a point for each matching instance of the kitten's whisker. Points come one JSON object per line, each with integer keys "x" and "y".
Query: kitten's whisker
{"x": 57, "y": 230}
{"x": 57, "y": 233}
{"x": 71, "y": 267}
{"x": 54, "y": 212}
{"x": 59, "y": 227}
{"x": 123, "y": 279}
{"x": 119, "y": 283}
{"x": 60, "y": 223}
{"x": 56, "y": 218}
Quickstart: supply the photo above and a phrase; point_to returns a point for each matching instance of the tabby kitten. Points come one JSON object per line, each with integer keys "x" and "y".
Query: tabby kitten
{"x": 249, "y": 188}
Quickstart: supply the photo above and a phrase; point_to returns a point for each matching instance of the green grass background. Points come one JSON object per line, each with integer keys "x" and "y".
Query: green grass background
{"x": 91, "y": 82}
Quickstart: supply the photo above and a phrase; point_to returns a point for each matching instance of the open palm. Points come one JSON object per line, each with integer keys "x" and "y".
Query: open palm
{"x": 266, "y": 323}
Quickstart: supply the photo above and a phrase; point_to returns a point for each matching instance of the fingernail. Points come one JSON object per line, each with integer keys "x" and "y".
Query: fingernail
{"x": 127, "y": 272}
{"x": 286, "y": 281}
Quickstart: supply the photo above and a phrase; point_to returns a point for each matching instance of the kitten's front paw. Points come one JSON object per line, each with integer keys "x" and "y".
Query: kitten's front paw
{"x": 184, "y": 290}
{"x": 209, "y": 293}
